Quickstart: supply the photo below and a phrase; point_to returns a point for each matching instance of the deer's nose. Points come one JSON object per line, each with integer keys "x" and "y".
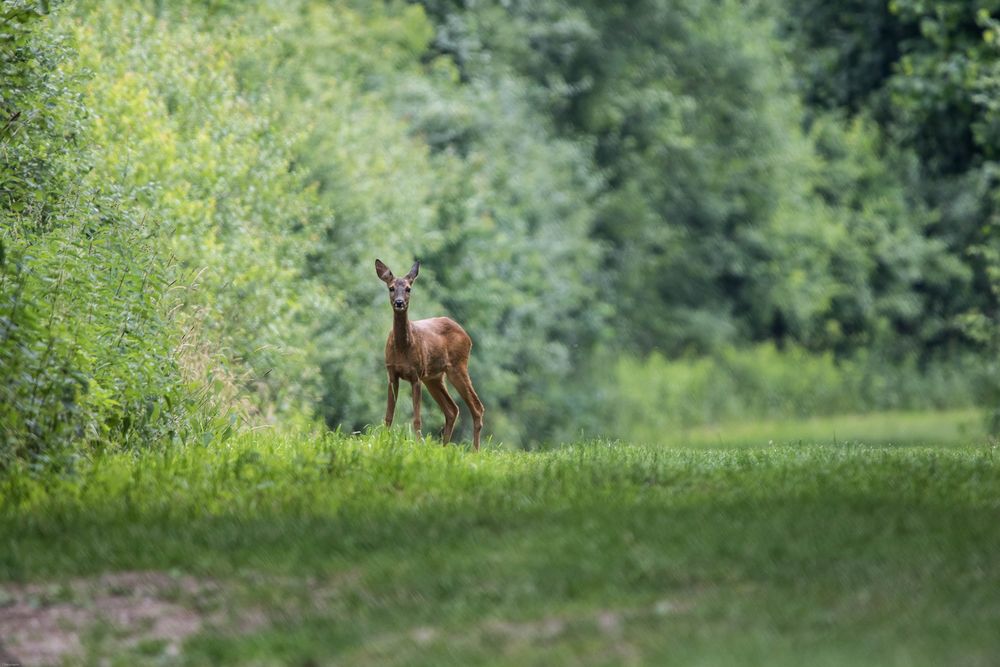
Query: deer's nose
{"x": 399, "y": 303}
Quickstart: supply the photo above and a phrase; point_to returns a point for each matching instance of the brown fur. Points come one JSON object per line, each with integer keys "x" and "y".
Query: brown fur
{"x": 427, "y": 351}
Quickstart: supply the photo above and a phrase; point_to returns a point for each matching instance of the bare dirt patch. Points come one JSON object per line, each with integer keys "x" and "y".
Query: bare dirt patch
{"x": 43, "y": 624}
{"x": 609, "y": 633}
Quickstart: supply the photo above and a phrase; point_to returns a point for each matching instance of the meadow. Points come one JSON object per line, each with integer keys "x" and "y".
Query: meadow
{"x": 375, "y": 549}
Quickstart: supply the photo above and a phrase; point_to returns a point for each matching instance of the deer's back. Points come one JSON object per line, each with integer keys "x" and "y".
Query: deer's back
{"x": 444, "y": 342}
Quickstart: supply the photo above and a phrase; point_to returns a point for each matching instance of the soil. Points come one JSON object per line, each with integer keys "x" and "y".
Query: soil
{"x": 42, "y": 624}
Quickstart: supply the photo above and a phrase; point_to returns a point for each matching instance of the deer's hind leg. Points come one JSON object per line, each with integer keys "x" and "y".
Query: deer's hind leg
{"x": 439, "y": 392}
{"x": 459, "y": 376}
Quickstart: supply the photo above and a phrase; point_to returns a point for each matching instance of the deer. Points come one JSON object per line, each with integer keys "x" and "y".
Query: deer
{"x": 424, "y": 352}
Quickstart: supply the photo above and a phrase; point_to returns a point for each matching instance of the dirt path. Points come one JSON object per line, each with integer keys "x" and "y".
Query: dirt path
{"x": 42, "y": 624}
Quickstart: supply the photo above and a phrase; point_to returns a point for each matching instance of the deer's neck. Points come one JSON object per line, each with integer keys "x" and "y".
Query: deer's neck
{"x": 401, "y": 331}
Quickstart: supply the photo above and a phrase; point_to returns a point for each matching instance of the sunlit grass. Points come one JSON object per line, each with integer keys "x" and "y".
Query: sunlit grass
{"x": 377, "y": 549}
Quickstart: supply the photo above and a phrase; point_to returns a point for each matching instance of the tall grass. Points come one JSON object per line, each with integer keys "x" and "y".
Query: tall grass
{"x": 656, "y": 395}
{"x": 378, "y": 549}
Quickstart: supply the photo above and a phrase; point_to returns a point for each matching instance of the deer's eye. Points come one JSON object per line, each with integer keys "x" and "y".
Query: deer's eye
{"x": 407, "y": 290}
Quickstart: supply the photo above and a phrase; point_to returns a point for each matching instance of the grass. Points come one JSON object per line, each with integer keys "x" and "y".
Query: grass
{"x": 375, "y": 549}
{"x": 890, "y": 429}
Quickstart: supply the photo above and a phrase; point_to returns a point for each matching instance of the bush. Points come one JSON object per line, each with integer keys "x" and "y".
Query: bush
{"x": 91, "y": 337}
{"x": 85, "y": 344}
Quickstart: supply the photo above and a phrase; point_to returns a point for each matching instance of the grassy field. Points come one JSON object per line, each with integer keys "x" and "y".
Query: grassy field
{"x": 888, "y": 429}
{"x": 377, "y": 550}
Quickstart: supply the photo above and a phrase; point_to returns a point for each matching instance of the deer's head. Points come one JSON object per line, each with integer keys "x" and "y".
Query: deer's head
{"x": 399, "y": 288}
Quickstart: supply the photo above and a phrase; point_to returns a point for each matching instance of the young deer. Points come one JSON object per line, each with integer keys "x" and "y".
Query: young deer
{"x": 425, "y": 351}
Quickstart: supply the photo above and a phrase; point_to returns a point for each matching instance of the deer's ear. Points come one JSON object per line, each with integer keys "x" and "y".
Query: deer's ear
{"x": 414, "y": 270}
{"x": 384, "y": 274}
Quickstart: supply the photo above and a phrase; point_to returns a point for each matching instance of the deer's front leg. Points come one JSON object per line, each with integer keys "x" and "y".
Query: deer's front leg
{"x": 390, "y": 406}
{"x": 416, "y": 406}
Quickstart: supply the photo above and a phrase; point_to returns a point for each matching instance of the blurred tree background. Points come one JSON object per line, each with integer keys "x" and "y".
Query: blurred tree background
{"x": 645, "y": 212}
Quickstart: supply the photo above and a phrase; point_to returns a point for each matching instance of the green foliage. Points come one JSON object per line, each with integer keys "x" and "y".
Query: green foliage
{"x": 982, "y": 324}
{"x": 187, "y": 146}
{"x": 926, "y": 70}
{"x": 39, "y": 114}
{"x": 86, "y": 356}
{"x": 844, "y": 52}
{"x": 946, "y": 85}
{"x": 730, "y": 211}
{"x": 934, "y": 92}
{"x": 86, "y": 346}
{"x": 887, "y": 271}
{"x": 709, "y": 185}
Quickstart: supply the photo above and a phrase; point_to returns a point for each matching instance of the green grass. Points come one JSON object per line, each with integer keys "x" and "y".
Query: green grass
{"x": 375, "y": 550}
{"x": 930, "y": 429}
